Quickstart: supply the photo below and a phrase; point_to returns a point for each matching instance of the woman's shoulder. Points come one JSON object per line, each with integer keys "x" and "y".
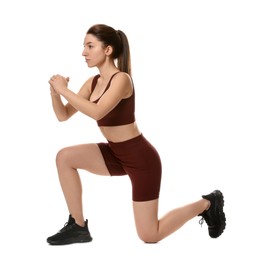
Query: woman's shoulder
{"x": 122, "y": 74}
{"x": 122, "y": 77}
{"x": 124, "y": 83}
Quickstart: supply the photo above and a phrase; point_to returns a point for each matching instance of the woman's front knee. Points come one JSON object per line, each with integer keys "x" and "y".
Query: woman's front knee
{"x": 62, "y": 156}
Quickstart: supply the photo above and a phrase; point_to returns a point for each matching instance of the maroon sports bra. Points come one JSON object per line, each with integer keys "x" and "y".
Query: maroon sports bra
{"x": 122, "y": 114}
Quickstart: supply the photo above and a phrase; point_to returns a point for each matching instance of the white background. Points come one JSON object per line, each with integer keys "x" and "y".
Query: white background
{"x": 194, "y": 72}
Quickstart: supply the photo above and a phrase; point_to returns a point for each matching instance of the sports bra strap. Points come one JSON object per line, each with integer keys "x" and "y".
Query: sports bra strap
{"x": 94, "y": 82}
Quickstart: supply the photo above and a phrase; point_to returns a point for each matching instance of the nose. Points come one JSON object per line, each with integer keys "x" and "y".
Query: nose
{"x": 84, "y": 53}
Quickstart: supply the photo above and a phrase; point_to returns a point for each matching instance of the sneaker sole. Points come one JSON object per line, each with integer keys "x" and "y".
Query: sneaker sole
{"x": 220, "y": 205}
{"x": 70, "y": 241}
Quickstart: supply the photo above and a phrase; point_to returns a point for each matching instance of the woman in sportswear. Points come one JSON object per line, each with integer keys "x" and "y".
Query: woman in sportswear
{"x": 109, "y": 98}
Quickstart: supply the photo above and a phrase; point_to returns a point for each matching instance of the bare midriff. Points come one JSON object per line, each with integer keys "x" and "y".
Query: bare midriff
{"x": 120, "y": 133}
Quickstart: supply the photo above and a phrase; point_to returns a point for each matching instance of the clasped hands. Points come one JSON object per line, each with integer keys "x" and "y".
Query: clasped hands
{"x": 58, "y": 83}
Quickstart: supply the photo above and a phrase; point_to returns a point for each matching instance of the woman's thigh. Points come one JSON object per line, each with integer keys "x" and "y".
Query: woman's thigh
{"x": 84, "y": 156}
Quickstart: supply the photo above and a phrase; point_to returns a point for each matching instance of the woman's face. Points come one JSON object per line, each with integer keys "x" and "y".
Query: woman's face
{"x": 94, "y": 51}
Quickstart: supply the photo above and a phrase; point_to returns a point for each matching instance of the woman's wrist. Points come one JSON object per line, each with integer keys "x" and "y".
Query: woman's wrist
{"x": 54, "y": 94}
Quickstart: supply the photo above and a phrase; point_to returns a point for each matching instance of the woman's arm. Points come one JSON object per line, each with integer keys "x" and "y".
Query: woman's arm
{"x": 64, "y": 112}
{"x": 121, "y": 87}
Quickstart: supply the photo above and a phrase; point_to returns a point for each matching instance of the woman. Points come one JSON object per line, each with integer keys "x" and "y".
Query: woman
{"x": 109, "y": 98}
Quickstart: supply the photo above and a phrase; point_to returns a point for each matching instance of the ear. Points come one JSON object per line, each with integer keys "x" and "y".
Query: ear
{"x": 108, "y": 50}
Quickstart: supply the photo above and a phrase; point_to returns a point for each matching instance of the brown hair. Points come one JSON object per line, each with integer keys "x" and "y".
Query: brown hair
{"x": 118, "y": 41}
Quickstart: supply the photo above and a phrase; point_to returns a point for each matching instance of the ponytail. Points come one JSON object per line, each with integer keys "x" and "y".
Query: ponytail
{"x": 124, "y": 58}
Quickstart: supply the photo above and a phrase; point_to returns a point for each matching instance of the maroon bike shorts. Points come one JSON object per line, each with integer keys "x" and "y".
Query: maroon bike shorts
{"x": 138, "y": 159}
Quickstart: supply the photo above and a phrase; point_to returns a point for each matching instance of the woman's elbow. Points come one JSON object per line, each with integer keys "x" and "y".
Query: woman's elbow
{"x": 97, "y": 116}
{"x": 62, "y": 118}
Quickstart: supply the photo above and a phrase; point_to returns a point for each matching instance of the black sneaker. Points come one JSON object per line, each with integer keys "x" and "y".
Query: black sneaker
{"x": 214, "y": 216}
{"x": 71, "y": 233}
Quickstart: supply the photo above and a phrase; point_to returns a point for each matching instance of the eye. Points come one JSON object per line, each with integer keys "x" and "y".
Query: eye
{"x": 90, "y": 46}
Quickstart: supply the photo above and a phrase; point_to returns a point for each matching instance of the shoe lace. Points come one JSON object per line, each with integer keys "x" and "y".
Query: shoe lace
{"x": 206, "y": 219}
{"x": 201, "y": 221}
{"x": 67, "y": 226}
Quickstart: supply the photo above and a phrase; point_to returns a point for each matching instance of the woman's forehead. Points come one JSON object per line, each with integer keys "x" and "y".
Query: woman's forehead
{"x": 89, "y": 38}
